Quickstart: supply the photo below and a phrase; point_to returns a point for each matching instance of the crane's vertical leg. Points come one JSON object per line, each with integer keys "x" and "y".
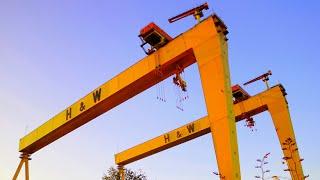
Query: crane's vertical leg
{"x": 121, "y": 172}
{"x": 24, "y": 159}
{"x": 18, "y": 169}
{"x": 281, "y": 119}
{"x": 26, "y": 163}
{"x": 212, "y": 58}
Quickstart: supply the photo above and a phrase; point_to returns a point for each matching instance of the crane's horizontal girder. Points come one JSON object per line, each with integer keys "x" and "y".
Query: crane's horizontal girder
{"x": 132, "y": 81}
{"x": 250, "y": 107}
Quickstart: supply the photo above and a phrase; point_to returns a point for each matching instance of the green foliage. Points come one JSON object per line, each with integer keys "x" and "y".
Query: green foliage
{"x": 113, "y": 174}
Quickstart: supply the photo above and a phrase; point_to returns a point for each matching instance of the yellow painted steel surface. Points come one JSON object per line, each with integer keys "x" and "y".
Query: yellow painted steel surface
{"x": 127, "y": 84}
{"x": 272, "y": 100}
{"x": 192, "y": 130}
{"x": 279, "y": 111}
{"x": 206, "y": 44}
{"x": 202, "y": 42}
{"x": 180, "y": 135}
{"x": 212, "y": 58}
{"x": 24, "y": 160}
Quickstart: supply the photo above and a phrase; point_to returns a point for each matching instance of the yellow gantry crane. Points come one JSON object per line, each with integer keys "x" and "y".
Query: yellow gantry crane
{"x": 204, "y": 44}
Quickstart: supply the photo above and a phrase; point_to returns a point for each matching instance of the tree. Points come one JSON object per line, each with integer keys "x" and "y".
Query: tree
{"x": 113, "y": 174}
{"x": 262, "y": 162}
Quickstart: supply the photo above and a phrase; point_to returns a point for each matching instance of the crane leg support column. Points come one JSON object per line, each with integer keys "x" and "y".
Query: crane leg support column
{"x": 121, "y": 172}
{"x": 24, "y": 159}
{"x": 215, "y": 77}
{"x": 26, "y": 163}
{"x": 283, "y": 125}
{"x": 18, "y": 170}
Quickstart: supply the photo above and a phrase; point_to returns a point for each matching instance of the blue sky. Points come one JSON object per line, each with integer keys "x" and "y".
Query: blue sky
{"x": 54, "y": 52}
